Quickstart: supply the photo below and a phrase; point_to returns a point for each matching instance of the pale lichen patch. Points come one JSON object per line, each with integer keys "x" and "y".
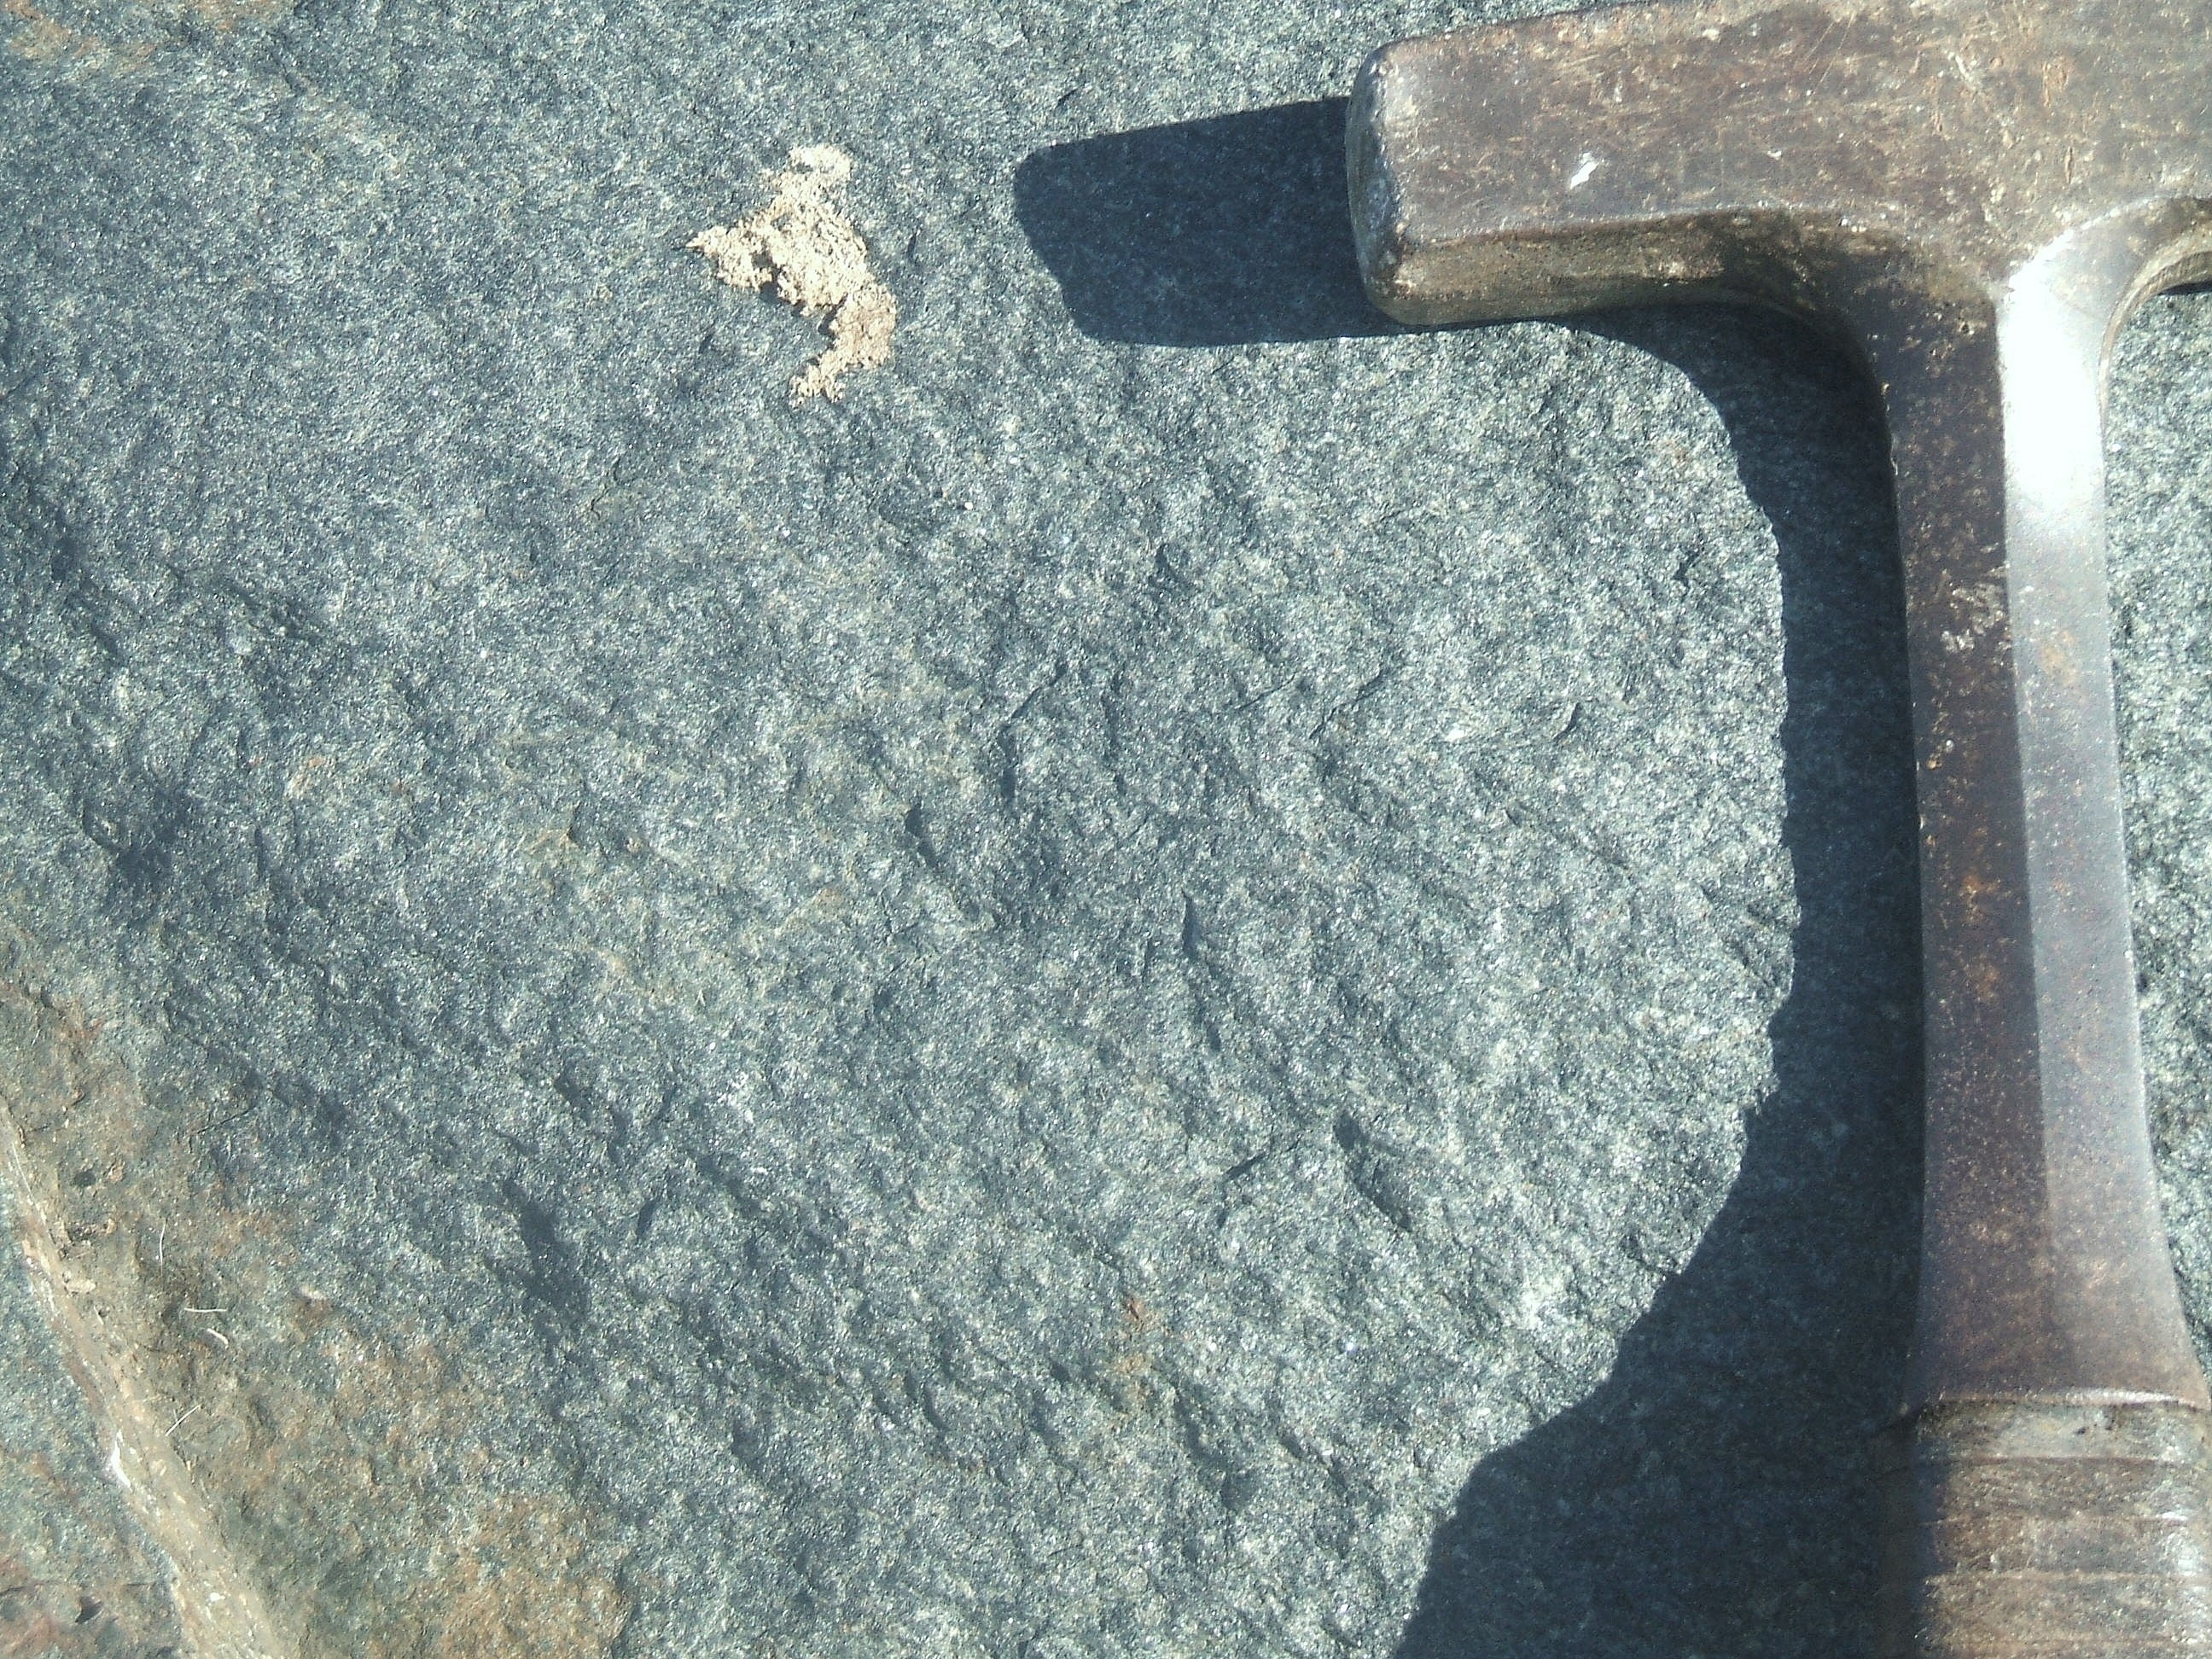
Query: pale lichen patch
{"x": 805, "y": 243}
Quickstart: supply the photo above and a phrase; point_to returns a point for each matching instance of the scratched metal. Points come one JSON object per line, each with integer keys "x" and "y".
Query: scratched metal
{"x": 1973, "y": 197}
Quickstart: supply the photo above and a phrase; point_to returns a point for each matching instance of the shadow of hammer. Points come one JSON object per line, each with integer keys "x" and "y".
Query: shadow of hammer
{"x": 1972, "y": 198}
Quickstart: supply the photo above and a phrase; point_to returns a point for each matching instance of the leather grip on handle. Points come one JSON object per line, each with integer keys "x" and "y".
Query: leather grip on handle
{"x": 2014, "y": 1529}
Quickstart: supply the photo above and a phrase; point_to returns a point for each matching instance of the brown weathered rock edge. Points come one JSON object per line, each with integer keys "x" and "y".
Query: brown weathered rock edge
{"x": 220, "y": 1611}
{"x": 313, "y": 1435}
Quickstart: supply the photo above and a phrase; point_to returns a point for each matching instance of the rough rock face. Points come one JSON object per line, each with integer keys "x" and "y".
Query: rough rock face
{"x": 1196, "y": 978}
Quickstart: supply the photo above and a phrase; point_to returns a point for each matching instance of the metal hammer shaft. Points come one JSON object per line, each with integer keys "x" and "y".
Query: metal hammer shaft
{"x": 1973, "y": 199}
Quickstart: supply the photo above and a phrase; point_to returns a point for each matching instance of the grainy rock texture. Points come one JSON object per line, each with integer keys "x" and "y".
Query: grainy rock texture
{"x": 1197, "y": 978}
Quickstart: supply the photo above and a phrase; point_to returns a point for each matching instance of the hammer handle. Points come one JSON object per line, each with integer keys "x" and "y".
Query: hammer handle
{"x": 2018, "y": 1530}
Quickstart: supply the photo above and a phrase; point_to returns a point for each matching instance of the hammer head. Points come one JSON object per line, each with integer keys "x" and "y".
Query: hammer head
{"x": 1748, "y": 150}
{"x": 1974, "y": 193}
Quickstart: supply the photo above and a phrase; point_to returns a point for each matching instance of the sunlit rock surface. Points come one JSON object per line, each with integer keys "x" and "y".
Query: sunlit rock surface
{"x": 1194, "y": 978}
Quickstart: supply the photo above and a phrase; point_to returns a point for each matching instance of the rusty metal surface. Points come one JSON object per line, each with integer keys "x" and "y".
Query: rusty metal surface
{"x": 1973, "y": 198}
{"x": 2081, "y": 1531}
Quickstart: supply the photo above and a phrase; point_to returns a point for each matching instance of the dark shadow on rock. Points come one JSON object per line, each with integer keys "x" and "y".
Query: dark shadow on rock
{"x": 1713, "y": 1496}
{"x": 1226, "y": 231}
